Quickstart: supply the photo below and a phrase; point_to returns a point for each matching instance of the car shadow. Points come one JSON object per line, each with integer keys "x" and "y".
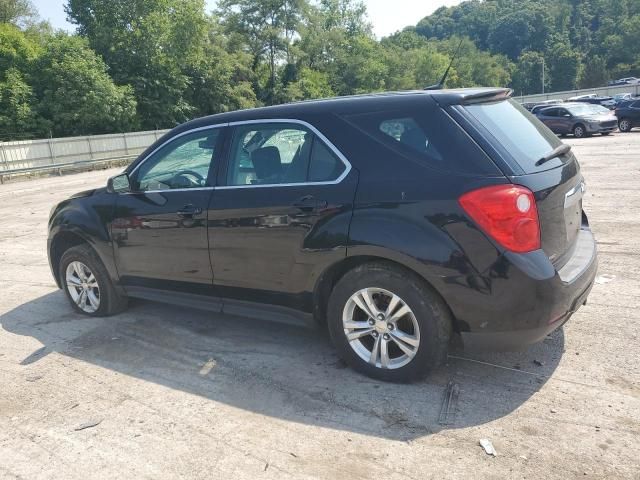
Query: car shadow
{"x": 283, "y": 371}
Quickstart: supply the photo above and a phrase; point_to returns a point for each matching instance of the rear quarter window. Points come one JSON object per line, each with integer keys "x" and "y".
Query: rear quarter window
{"x": 427, "y": 136}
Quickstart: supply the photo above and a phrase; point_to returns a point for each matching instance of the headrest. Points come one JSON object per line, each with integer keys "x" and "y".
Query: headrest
{"x": 266, "y": 162}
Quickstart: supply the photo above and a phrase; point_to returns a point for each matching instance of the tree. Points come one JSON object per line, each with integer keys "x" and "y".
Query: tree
{"x": 18, "y": 118}
{"x": 565, "y": 65}
{"x": 18, "y": 12}
{"x": 267, "y": 28}
{"x": 150, "y": 45}
{"x": 528, "y": 77}
{"x": 76, "y": 95}
{"x": 594, "y": 73}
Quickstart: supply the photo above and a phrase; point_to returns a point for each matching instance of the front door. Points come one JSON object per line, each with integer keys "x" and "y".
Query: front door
{"x": 281, "y": 215}
{"x": 160, "y": 227}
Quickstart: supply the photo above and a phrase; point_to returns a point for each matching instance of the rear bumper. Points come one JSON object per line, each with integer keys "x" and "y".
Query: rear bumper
{"x": 539, "y": 304}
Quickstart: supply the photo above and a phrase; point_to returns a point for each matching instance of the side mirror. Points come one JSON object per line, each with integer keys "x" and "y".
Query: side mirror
{"x": 119, "y": 184}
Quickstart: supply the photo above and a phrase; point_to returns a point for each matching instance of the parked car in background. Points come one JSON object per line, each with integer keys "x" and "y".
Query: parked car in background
{"x": 594, "y": 99}
{"x": 625, "y": 81}
{"x": 396, "y": 219}
{"x": 578, "y": 119}
{"x": 628, "y": 115}
{"x": 540, "y": 106}
{"x": 622, "y": 97}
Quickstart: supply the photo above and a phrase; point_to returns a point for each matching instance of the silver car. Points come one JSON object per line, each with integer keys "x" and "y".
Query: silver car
{"x": 579, "y": 119}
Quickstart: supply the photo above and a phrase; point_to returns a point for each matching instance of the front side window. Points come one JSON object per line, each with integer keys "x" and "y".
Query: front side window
{"x": 279, "y": 153}
{"x": 182, "y": 163}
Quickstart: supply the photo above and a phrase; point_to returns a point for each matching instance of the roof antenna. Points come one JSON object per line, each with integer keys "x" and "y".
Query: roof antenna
{"x": 440, "y": 84}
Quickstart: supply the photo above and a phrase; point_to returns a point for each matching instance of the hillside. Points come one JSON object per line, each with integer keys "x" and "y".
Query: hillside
{"x": 583, "y": 42}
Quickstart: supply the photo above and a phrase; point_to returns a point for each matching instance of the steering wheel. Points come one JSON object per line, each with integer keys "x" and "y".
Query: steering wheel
{"x": 199, "y": 179}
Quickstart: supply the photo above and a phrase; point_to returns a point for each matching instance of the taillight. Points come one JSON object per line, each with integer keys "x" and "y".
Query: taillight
{"x": 507, "y": 213}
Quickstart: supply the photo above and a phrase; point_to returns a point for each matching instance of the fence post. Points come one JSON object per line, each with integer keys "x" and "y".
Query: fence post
{"x": 90, "y": 149}
{"x": 4, "y": 161}
{"x": 126, "y": 147}
{"x": 4, "y": 156}
{"x": 51, "y": 152}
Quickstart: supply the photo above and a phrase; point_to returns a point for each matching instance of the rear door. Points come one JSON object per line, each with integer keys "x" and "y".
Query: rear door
{"x": 281, "y": 213}
{"x": 521, "y": 141}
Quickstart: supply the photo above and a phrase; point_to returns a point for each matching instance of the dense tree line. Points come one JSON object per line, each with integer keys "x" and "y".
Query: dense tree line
{"x": 138, "y": 64}
{"x": 583, "y": 42}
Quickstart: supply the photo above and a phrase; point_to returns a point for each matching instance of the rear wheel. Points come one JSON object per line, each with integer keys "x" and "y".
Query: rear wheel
{"x": 624, "y": 125}
{"x": 579, "y": 131}
{"x": 87, "y": 284}
{"x": 387, "y": 323}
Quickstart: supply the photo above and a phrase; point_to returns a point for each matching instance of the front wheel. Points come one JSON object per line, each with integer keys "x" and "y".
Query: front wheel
{"x": 624, "y": 125}
{"x": 87, "y": 284}
{"x": 579, "y": 131}
{"x": 387, "y": 323}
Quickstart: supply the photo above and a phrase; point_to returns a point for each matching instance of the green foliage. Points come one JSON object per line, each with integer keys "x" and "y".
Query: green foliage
{"x": 76, "y": 95}
{"x": 569, "y": 34}
{"x": 19, "y": 12}
{"x": 156, "y": 63}
{"x": 528, "y": 77}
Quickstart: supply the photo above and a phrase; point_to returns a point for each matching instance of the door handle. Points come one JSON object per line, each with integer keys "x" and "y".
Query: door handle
{"x": 309, "y": 203}
{"x": 189, "y": 211}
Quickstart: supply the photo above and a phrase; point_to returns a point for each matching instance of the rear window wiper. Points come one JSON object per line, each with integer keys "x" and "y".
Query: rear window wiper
{"x": 556, "y": 152}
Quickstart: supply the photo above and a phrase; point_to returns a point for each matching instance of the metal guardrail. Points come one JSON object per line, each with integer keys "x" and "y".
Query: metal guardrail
{"x": 58, "y": 154}
{"x": 602, "y": 91}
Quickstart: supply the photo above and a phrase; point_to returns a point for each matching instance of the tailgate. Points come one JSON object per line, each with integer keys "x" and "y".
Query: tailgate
{"x": 521, "y": 141}
{"x": 558, "y": 194}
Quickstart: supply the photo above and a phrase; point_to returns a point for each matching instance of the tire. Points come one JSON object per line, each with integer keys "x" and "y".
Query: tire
{"x": 579, "y": 131}
{"x": 624, "y": 125}
{"x": 82, "y": 263}
{"x": 605, "y": 134}
{"x": 427, "y": 311}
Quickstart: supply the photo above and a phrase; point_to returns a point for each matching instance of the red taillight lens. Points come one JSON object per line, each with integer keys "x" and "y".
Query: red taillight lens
{"x": 507, "y": 213}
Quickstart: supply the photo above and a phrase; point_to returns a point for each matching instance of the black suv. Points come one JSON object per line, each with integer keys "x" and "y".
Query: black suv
{"x": 628, "y": 114}
{"x": 399, "y": 219}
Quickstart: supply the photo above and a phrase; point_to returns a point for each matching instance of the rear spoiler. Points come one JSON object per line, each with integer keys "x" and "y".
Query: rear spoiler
{"x": 488, "y": 96}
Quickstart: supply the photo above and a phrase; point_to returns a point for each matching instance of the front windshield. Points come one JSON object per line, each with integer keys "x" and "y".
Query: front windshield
{"x": 582, "y": 110}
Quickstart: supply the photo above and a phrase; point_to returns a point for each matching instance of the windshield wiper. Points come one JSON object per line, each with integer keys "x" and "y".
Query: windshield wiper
{"x": 556, "y": 152}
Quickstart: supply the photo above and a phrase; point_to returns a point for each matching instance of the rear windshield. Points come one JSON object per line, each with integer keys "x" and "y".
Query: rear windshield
{"x": 517, "y": 131}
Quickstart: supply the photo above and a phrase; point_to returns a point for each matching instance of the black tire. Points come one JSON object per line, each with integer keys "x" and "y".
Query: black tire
{"x": 625, "y": 125}
{"x": 605, "y": 134}
{"x": 579, "y": 131}
{"x": 430, "y": 311}
{"x": 110, "y": 301}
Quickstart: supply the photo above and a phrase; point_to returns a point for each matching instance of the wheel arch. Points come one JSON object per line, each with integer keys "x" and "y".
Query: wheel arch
{"x": 60, "y": 243}
{"x": 332, "y": 275}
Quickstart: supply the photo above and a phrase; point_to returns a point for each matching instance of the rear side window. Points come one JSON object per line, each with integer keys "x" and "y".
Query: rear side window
{"x": 280, "y": 154}
{"x": 427, "y": 136}
{"x": 517, "y": 131}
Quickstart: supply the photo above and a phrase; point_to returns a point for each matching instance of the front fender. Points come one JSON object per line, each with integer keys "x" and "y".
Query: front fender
{"x": 82, "y": 220}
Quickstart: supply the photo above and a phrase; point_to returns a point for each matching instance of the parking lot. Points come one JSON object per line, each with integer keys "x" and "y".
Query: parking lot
{"x": 167, "y": 392}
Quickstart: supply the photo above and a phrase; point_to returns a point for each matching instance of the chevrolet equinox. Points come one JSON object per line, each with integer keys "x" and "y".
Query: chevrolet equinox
{"x": 398, "y": 219}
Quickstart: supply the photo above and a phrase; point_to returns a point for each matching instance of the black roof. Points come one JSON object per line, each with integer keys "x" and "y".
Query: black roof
{"x": 353, "y": 102}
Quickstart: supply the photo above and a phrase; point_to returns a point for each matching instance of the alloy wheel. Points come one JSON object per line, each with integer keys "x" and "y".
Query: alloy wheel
{"x": 83, "y": 287}
{"x": 578, "y": 132}
{"x": 625, "y": 126}
{"x": 381, "y": 328}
